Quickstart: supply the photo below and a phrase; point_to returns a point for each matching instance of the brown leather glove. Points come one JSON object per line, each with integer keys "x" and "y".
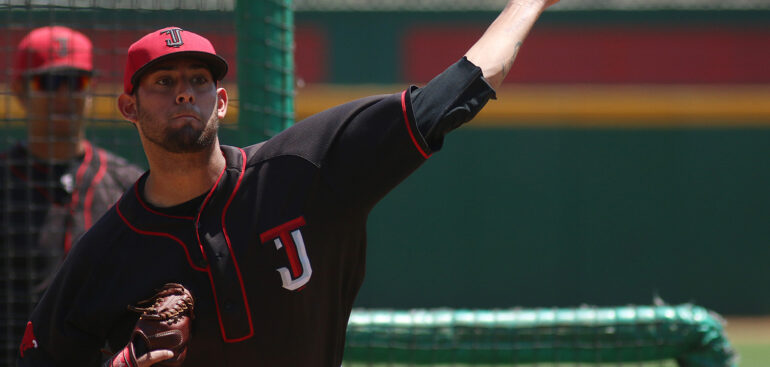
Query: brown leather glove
{"x": 164, "y": 323}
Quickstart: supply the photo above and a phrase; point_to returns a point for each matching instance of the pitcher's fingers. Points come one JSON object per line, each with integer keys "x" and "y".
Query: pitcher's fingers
{"x": 154, "y": 356}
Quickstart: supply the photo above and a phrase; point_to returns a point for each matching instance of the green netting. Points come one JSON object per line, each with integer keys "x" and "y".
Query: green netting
{"x": 265, "y": 57}
{"x": 691, "y": 335}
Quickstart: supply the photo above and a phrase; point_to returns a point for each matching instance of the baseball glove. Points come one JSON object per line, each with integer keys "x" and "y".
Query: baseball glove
{"x": 164, "y": 323}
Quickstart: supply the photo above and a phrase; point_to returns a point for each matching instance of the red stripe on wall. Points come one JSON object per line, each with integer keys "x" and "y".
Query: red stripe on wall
{"x": 606, "y": 54}
{"x": 575, "y": 53}
{"x": 311, "y": 53}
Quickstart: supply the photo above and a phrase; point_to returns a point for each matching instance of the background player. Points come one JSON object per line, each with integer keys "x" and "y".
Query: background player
{"x": 270, "y": 239}
{"x": 54, "y": 185}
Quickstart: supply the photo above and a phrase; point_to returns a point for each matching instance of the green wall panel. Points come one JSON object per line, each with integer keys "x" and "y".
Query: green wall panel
{"x": 561, "y": 217}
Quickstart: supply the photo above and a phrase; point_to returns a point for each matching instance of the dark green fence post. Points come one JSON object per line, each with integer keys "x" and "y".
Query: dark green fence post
{"x": 265, "y": 68}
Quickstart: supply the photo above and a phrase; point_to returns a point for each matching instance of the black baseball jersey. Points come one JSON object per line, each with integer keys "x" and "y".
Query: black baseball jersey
{"x": 44, "y": 207}
{"x": 274, "y": 254}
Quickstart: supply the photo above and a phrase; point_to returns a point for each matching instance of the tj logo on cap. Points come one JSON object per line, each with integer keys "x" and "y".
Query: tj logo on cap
{"x": 63, "y": 49}
{"x": 176, "y": 37}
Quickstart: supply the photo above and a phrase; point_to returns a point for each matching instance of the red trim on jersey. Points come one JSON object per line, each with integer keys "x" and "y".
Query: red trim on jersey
{"x": 216, "y": 304}
{"x": 147, "y": 208}
{"x": 160, "y": 234}
{"x": 89, "y": 200}
{"x": 89, "y": 155}
{"x": 80, "y": 172}
{"x": 409, "y": 127}
{"x": 203, "y": 252}
{"x": 232, "y": 253}
{"x": 67, "y": 240}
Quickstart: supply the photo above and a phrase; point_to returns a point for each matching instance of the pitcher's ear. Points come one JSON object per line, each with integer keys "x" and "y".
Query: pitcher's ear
{"x": 221, "y": 103}
{"x": 127, "y": 107}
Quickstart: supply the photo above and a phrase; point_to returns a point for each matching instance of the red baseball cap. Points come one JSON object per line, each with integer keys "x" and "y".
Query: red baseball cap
{"x": 166, "y": 42}
{"x": 53, "y": 48}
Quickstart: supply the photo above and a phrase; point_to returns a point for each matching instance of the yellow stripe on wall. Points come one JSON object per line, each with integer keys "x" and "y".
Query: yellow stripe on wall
{"x": 592, "y": 105}
{"x": 632, "y": 106}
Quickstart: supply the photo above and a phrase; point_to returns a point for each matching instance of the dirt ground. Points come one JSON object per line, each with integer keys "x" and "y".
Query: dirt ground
{"x": 753, "y": 330}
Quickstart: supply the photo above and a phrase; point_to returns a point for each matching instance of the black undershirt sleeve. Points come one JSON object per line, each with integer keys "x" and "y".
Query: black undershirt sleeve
{"x": 451, "y": 99}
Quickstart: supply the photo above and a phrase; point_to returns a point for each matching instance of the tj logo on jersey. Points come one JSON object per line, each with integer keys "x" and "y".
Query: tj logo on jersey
{"x": 176, "y": 37}
{"x": 288, "y": 236}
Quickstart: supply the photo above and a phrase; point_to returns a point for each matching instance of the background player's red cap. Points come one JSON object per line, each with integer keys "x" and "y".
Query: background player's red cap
{"x": 54, "y": 48}
{"x": 167, "y": 42}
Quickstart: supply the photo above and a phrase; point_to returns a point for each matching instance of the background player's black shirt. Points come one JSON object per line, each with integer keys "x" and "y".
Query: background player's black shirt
{"x": 274, "y": 254}
{"x": 44, "y": 207}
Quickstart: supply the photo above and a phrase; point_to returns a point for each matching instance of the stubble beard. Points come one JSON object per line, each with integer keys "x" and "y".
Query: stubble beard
{"x": 185, "y": 139}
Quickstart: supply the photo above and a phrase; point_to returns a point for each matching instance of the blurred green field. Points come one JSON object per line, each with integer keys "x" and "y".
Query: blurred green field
{"x": 751, "y": 338}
